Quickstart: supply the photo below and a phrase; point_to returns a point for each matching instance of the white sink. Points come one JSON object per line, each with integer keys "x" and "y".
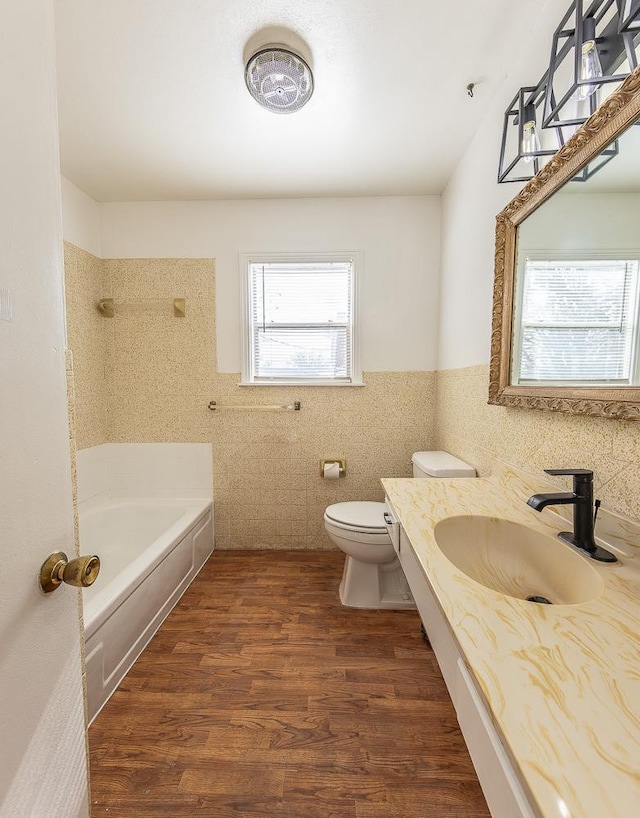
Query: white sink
{"x": 517, "y": 561}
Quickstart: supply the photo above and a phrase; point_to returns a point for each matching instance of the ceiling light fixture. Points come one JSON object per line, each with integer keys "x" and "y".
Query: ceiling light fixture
{"x": 279, "y": 80}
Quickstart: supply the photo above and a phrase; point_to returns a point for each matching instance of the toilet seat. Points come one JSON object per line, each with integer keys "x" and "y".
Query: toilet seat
{"x": 379, "y": 537}
{"x": 364, "y": 516}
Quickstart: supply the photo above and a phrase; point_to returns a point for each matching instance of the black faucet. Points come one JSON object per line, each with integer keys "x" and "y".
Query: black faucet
{"x": 583, "y": 519}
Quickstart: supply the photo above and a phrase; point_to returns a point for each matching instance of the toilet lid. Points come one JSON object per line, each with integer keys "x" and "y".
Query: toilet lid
{"x": 364, "y": 516}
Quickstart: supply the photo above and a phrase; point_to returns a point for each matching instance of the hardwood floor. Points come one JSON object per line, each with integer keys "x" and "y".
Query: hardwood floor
{"x": 262, "y": 696}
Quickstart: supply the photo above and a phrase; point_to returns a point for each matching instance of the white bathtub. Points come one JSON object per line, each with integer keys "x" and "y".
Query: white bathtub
{"x": 150, "y": 551}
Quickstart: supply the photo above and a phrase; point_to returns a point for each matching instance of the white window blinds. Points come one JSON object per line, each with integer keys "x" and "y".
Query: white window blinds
{"x": 577, "y": 322}
{"x": 301, "y": 321}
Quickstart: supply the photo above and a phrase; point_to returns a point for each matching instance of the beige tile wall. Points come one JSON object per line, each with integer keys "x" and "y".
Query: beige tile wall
{"x": 534, "y": 440}
{"x": 161, "y": 374}
{"x": 87, "y": 334}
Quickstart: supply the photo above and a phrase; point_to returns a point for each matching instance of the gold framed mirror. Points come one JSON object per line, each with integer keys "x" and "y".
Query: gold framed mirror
{"x": 586, "y": 361}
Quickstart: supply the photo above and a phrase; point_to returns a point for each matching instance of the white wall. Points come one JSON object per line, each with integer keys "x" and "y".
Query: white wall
{"x": 158, "y": 470}
{"x": 470, "y": 204}
{"x": 399, "y": 238}
{"x": 81, "y": 216}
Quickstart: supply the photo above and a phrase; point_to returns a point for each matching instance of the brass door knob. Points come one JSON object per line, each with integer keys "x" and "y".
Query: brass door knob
{"x": 80, "y": 572}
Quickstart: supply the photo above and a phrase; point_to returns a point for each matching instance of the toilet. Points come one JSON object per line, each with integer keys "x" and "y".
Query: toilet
{"x": 373, "y": 576}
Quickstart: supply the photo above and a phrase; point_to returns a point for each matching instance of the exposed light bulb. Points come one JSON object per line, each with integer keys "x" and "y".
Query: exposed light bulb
{"x": 590, "y": 66}
{"x": 590, "y": 69}
{"x": 530, "y": 139}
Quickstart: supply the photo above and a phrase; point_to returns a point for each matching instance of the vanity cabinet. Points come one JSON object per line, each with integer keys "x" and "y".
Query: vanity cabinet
{"x": 500, "y": 785}
{"x": 435, "y": 624}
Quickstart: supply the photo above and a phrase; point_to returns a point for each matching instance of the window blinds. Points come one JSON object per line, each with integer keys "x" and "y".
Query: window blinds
{"x": 578, "y": 321}
{"x": 301, "y": 321}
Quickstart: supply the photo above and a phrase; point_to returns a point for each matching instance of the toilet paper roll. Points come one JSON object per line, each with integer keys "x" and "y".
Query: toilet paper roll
{"x": 331, "y": 471}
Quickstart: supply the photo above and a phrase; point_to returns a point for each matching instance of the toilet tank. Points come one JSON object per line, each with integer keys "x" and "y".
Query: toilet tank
{"x": 440, "y": 464}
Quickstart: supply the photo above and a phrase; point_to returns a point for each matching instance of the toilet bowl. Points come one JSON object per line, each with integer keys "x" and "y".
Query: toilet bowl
{"x": 373, "y": 576}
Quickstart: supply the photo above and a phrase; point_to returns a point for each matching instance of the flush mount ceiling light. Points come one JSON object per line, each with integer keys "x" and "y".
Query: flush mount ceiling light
{"x": 279, "y": 80}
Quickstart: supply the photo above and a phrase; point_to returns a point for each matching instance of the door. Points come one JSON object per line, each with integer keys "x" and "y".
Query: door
{"x": 42, "y": 736}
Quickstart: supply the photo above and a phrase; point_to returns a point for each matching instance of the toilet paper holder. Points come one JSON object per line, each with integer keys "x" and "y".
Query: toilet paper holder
{"x": 342, "y": 465}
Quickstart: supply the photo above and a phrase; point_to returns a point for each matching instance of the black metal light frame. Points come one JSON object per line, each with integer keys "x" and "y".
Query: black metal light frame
{"x": 628, "y": 15}
{"x": 612, "y": 46}
{"x": 515, "y": 117}
{"x": 616, "y": 31}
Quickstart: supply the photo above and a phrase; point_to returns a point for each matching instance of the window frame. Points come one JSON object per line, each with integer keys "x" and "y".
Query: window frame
{"x": 577, "y": 256}
{"x": 247, "y": 377}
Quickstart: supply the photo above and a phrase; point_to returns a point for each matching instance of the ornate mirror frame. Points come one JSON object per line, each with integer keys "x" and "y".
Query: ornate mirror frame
{"x": 613, "y": 117}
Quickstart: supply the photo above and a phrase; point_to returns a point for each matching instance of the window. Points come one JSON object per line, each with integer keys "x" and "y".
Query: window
{"x": 577, "y": 322}
{"x": 299, "y": 325}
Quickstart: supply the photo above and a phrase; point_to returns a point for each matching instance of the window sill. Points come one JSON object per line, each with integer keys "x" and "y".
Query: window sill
{"x": 302, "y": 383}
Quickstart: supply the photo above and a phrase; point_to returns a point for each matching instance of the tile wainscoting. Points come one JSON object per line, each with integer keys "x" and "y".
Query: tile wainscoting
{"x": 534, "y": 440}
{"x": 145, "y": 376}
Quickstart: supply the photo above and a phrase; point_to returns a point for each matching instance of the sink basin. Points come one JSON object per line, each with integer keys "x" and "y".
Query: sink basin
{"x": 517, "y": 561}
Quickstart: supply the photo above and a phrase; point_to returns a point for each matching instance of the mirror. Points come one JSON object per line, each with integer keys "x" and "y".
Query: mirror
{"x": 566, "y": 304}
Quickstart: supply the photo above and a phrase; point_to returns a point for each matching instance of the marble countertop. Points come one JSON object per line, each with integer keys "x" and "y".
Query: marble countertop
{"x": 562, "y": 681}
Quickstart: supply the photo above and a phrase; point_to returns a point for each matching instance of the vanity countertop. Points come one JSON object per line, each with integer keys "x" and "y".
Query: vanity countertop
{"x": 562, "y": 681}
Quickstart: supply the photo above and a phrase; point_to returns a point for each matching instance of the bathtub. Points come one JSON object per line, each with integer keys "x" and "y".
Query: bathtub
{"x": 150, "y": 551}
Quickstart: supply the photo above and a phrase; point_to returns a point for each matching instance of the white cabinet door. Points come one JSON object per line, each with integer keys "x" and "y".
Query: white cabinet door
{"x": 432, "y": 617}
{"x": 42, "y": 750}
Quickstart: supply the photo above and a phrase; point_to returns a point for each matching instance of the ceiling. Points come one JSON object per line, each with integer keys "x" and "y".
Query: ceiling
{"x": 153, "y": 106}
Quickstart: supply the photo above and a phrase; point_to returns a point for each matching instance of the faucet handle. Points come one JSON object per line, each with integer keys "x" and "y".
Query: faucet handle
{"x": 572, "y": 472}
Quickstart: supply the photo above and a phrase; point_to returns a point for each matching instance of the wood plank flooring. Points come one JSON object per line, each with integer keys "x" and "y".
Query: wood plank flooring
{"x": 262, "y": 696}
